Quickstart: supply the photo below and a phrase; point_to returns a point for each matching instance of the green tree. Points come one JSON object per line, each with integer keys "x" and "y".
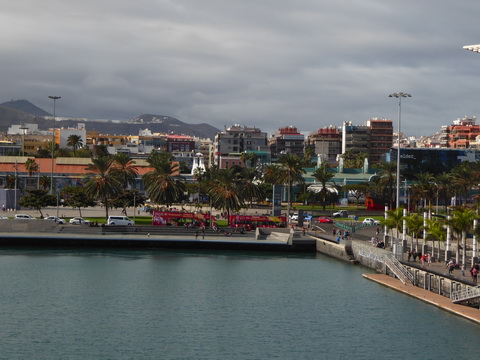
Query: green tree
{"x": 461, "y": 222}
{"x": 224, "y": 190}
{"x": 463, "y": 179}
{"x": 436, "y": 231}
{"x": 37, "y": 199}
{"x": 415, "y": 226}
{"x": 75, "y": 142}
{"x": 357, "y": 190}
{"x": 163, "y": 184}
{"x": 31, "y": 166}
{"x": 103, "y": 180}
{"x": 126, "y": 169}
{"x": 292, "y": 171}
{"x": 77, "y": 198}
{"x": 126, "y": 199}
{"x": 394, "y": 220}
{"x": 323, "y": 175}
{"x": 386, "y": 181}
{"x": 250, "y": 186}
{"x": 45, "y": 182}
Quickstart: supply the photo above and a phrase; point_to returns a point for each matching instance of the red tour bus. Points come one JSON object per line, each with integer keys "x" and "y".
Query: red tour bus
{"x": 173, "y": 218}
{"x": 250, "y": 222}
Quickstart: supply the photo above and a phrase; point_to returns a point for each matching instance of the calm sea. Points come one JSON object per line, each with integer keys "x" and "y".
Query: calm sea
{"x": 204, "y": 305}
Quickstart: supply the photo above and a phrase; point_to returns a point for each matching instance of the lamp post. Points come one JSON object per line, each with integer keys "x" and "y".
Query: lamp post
{"x": 399, "y": 96}
{"x": 54, "y": 98}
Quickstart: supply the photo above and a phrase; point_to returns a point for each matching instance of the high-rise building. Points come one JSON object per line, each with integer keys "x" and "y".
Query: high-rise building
{"x": 374, "y": 138}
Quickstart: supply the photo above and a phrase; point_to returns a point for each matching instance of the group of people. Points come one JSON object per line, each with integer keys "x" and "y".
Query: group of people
{"x": 424, "y": 258}
{"x": 340, "y": 236}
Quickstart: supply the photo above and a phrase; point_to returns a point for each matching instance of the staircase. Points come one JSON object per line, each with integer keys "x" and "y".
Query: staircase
{"x": 400, "y": 271}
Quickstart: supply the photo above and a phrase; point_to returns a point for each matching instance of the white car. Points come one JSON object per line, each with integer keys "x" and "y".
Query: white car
{"x": 294, "y": 217}
{"x": 56, "y": 219}
{"x": 371, "y": 221}
{"x": 24, "y": 216}
{"x": 79, "y": 221}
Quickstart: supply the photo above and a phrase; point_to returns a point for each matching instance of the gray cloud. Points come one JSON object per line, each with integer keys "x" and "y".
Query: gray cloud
{"x": 265, "y": 63}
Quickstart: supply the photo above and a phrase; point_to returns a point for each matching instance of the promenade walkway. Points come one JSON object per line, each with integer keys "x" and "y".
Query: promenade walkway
{"x": 429, "y": 297}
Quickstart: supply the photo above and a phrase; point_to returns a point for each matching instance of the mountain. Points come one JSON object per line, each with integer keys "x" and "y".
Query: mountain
{"x": 22, "y": 112}
{"x": 26, "y": 107}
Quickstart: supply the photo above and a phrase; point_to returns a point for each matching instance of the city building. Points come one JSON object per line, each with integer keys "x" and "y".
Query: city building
{"x": 374, "y": 138}
{"x": 235, "y": 140}
{"x": 325, "y": 143}
{"x": 460, "y": 134}
{"x": 287, "y": 140}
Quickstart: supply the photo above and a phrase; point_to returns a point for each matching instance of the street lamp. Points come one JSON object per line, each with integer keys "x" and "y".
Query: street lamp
{"x": 54, "y": 98}
{"x": 399, "y": 96}
{"x": 474, "y": 48}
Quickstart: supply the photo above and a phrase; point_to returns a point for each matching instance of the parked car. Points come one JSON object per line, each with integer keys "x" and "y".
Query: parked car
{"x": 294, "y": 217}
{"x": 341, "y": 213}
{"x": 79, "y": 221}
{"x": 24, "y": 216}
{"x": 371, "y": 221}
{"x": 120, "y": 220}
{"x": 56, "y": 219}
{"x": 324, "y": 219}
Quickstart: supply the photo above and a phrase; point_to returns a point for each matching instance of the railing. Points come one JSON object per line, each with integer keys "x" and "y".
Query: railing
{"x": 400, "y": 271}
{"x": 468, "y": 293}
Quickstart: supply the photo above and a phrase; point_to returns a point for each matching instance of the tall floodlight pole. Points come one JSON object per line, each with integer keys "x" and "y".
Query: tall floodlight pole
{"x": 474, "y": 48}
{"x": 54, "y": 98}
{"x": 399, "y": 96}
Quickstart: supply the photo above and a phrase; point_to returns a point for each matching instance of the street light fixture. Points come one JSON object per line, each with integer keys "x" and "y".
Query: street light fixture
{"x": 399, "y": 96}
{"x": 54, "y": 98}
{"x": 474, "y": 48}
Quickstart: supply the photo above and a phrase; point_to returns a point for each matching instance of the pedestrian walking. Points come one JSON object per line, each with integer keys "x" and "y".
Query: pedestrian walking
{"x": 409, "y": 255}
{"x": 474, "y": 275}
{"x": 463, "y": 269}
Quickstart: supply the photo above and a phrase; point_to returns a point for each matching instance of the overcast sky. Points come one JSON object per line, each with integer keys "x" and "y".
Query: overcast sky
{"x": 264, "y": 63}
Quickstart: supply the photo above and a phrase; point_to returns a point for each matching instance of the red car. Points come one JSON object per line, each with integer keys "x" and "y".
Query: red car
{"x": 324, "y": 219}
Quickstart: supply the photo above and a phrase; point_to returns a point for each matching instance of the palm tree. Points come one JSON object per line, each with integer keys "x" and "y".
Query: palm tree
{"x": 31, "y": 166}
{"x": 44, "y": 182}
{"x": 463, "y": 179}
{"x": 250, "y": 186}
{"x": 436, "y": 231}
{"x": 461, "y": 223}
{"x": 387, "y": 176}
{"x": 394, "y": 220}
{"x": 163, "y": 184}
{"x": 323, "y": 175}
{"x": 103, "y": 181}
{"x": 291, "y": 164}
{"x": 198, "y": 175}
{"x": 75, "y": 142}
{"x": 415, "y": 226}
{"x": 224, "y": 190}
{"x": 126, "y": 167}
{"x": 444, "y": 187}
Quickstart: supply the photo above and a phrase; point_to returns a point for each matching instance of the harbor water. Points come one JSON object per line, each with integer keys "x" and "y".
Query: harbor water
{"x": 90, "y": 304}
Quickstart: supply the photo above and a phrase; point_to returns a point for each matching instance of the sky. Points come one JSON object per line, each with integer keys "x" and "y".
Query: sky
{"x": 263, "y": 63}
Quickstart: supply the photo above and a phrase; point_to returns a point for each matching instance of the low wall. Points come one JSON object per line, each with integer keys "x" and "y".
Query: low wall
{"x": 25, "y": 225}
{"x": 338, "y": 251}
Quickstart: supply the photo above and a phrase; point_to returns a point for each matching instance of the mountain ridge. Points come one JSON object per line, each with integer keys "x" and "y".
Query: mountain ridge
{"x": 17, "y": 112}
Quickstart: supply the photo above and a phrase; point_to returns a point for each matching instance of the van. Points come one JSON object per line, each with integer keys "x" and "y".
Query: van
{"x": 24, "y": 216}
{"x": 119, "y": 220}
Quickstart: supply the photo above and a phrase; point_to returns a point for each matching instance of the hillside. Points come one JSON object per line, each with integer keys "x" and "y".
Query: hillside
{"x": 22, "y": 111}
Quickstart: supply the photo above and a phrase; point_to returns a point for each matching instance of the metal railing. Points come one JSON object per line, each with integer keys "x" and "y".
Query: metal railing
{"x": 469, "y": 293}
{"x": 400, "y": 271}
